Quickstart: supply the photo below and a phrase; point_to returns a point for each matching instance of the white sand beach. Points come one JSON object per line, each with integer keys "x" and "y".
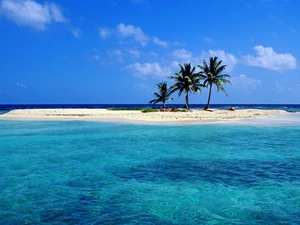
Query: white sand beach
{"x": 136, "y": 116}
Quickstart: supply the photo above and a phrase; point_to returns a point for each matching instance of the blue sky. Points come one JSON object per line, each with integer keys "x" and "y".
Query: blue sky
{"x": 116, "y": 51}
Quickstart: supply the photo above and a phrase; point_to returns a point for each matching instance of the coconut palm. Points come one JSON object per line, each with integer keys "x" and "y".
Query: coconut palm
{"x": 186, "y": 80}
{"x": 163, "y": 94}
{"x": 213, "y": 75}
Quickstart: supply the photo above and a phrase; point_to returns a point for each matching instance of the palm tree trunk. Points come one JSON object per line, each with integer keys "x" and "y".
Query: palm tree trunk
{"x": 187, "y": 101}
{"x": 207, "y": 105}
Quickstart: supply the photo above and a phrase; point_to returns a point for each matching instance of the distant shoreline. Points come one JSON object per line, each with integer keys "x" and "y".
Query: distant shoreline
{"x": 136, "y": 116}
{"x": 286, "y": 107}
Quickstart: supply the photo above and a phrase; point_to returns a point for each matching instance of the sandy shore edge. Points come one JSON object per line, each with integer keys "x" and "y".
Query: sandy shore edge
{"x": 136, "y": 116}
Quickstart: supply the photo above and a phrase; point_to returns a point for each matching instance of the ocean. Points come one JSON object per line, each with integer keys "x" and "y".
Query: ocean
{"x": 287, "y": 107}
{"x": 77, "y": 172}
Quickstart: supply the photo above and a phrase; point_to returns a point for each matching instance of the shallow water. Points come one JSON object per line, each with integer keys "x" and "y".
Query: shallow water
{"x": 102, "y": 173}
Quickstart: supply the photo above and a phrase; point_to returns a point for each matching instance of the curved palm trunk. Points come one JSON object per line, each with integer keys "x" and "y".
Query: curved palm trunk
{"x": 186, "y": 102}
{"x": 207, "y": 105}
{"x": 164, "y": 105}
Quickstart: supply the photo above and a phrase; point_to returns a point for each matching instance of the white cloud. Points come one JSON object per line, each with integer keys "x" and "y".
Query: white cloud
{"x": 286, "y": 86}
{"x": 177, "y": 43}
{"x": 20, "y": 85}
{"x": 182, "y": 54}
{"x": 113, "y": 3}
{"x": 160, "y": 42}
{"x": 76, "y": 32}
{"x": 149, "y": 70}
{"x": 105, "y": 32}
{"x": 175, "y": 64}
{"x": 116, "y": 55}
{"x": 56, "y": 13}
{"x": 31, "y": 13}
{"x": 208, "y": 40}
{"x": 123, "y": 31}
{"x": 139, "y": 1}
{"x": 227, "y": 58}
{"x": 153, "y": 54}
{"x": 267, "y": 58}
{"x": 142, "y": 87}
{"x": 244, "y": 82}
{"x": 135, "y": 32}
{"x": 134, "y": 52}
{"x": 92, "y": 56}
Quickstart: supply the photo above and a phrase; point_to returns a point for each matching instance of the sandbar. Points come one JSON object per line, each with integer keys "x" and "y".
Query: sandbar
{"x": 193, "y": 116}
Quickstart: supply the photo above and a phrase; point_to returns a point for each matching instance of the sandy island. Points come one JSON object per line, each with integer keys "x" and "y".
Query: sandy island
{"x": 136, "y": 116}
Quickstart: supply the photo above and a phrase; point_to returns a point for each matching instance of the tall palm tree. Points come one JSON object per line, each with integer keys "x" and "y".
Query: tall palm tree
{"x": 186, "y": 80}
{"x": 163, "y": 94}
{"x": 213, "y": 75}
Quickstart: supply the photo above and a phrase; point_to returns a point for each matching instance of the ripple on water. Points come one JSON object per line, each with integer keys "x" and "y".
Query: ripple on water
{"x": 94, "y": 173}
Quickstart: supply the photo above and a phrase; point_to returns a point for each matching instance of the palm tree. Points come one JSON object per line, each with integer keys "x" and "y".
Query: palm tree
{"x": 163, "y": 94}
{"x": 213, "y": 75}
{"x": 186, "y": 80}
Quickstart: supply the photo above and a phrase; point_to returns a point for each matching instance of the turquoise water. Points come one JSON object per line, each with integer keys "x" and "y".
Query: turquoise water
{"x": 102, "y": 173}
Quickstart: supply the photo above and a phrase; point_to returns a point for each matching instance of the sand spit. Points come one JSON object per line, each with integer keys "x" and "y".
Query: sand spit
{"x": 136, "y": 116}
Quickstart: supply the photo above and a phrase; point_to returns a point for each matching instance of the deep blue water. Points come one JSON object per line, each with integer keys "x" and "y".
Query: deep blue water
{"x": 287, "y": 107}
{"x": 105, "y": 173}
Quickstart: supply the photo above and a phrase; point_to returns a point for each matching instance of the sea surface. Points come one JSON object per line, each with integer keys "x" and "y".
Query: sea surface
{"x": 288, "y": 107}
{"x": 76, "y": 172}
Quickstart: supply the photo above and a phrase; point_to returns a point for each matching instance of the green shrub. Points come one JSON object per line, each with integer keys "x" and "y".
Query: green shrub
{"x": 146, "y": 110}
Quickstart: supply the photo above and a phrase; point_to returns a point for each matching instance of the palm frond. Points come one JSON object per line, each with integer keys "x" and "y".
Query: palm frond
{"x": 154, "y": 101}
{"x": 157, "y": 95}
{"x": 220, "y": 87}
{"x": 212, "y": 75}
{"x": 163, "y": 93}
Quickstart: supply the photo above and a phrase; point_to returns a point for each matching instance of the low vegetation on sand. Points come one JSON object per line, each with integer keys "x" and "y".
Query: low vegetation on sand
{"x": 144, "y": 110}
{"x": 147, "y": 110}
